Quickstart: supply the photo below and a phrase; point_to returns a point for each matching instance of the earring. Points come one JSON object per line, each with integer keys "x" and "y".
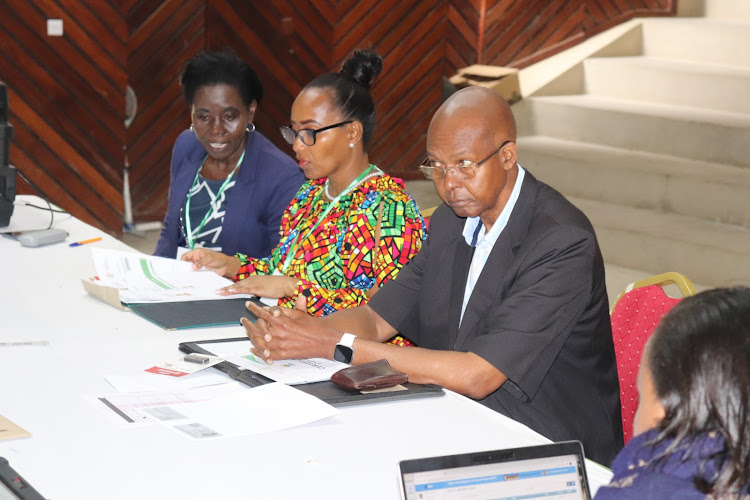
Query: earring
{"x": 250, "y": 130}
{"x": 191, "y": 128}
{"x": 351, "y": 145}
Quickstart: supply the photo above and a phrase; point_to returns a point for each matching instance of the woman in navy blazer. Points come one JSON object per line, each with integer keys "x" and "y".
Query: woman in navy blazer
{"x": 239, "y": 183}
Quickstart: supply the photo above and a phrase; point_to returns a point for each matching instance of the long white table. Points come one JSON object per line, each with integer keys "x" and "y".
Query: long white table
{"x": 76, "y": 453}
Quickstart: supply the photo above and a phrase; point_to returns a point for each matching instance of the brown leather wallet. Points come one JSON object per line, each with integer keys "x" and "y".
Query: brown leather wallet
{"x": 369, "y": 376}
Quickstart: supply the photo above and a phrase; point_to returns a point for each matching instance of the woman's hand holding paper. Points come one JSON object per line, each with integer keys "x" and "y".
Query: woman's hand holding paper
{"x": 223, "y": 265}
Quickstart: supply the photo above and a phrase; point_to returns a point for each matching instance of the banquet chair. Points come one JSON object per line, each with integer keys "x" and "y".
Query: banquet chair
{"x": 634, "y": 316}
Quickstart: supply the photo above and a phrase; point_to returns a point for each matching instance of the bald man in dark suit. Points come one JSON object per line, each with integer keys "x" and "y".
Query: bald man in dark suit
{"x": 506, "y": 300}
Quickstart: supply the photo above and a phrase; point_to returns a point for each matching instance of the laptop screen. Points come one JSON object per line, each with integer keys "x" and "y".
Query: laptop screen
{"x": 555, "y": 471}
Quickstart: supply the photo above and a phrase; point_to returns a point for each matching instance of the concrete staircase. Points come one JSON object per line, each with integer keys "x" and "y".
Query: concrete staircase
{"x": 647, "y": 130}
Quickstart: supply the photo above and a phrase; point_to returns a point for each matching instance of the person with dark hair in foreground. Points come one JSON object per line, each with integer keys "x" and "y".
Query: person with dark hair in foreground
{"x": 692, "y": 427}
{"x": 351, "y": 227}
{"x": 229, "y": 185}
{"x": 506, "y": 300}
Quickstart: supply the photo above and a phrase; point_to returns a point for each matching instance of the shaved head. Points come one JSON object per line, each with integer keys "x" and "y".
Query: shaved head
{"x": 480, "y": 105}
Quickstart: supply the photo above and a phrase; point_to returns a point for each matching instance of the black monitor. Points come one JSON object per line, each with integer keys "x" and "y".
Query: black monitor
{"x": 7, "y": 172}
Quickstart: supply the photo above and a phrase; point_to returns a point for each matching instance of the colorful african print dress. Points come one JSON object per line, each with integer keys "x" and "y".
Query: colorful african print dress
{"x": 334, "y": 261}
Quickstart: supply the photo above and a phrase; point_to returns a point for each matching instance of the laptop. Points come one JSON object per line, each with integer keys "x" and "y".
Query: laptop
{"x": 553, "y": 471}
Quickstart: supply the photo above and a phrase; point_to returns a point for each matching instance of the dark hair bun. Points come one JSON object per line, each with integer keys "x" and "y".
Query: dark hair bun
{"x": 363, "y": 67}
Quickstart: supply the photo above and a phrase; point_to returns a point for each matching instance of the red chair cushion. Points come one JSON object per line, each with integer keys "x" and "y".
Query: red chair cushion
{"x": 633, "y": 320}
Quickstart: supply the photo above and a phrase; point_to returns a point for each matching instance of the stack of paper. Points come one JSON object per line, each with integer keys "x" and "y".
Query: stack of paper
{"x": 145, "y": 278}
{"x": 218, "y": 411}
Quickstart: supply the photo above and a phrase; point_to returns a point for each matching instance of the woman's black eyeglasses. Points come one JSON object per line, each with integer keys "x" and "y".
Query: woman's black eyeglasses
{"x": 306, "y": 135}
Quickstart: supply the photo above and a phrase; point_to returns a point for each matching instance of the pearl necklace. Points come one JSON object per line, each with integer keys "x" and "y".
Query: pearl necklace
{"x": 376, "y": 173}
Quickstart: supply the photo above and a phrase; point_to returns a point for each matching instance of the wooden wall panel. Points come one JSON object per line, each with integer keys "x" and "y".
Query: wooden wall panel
{"x": 162, "y": 35}
{"x": 66, "y": 99}
{"x": 517, "y": 34}
{"x": 284, "y": 63}
{"x": 68, "y": 94}
{"x": 291, "y": 42}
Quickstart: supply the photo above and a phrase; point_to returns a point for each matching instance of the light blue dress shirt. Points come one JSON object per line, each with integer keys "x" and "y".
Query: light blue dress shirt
{"x": 477, "y": 236}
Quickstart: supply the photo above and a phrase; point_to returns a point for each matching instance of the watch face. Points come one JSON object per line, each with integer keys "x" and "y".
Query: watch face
{"x": 343, "y": 353}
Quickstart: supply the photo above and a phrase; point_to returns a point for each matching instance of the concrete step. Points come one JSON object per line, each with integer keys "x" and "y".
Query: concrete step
{"x": 737, "y": 11}
{"x": 709, "y": 253}
{"x": 639, "y": 179}
{"x": 698, "y": 39}
{"x": 699, "y": 134}
{"x": 670, "y": 81}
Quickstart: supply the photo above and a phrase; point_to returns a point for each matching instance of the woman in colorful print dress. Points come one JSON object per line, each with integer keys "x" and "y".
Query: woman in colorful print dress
{"x": 351, "y": 227}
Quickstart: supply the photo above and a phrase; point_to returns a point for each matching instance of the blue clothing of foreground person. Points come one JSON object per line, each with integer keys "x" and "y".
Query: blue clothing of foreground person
{"x": 692, "y": 427}
{"x": 634, "y": 475}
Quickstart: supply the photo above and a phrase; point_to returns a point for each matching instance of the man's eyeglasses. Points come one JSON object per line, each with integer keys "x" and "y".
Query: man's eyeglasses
{"x": 306, "y": 135}
{"x": 466, "y": 169}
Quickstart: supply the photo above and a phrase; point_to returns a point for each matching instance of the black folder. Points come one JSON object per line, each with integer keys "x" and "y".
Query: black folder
{"x": 196, "y": 313}
{"x": 326, "y": 391}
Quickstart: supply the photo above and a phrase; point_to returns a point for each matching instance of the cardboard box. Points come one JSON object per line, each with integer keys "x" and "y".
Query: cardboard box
{"x": 498, "y": 78}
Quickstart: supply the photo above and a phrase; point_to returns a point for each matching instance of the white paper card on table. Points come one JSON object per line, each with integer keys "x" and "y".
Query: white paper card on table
{"x": 180, "y": 367}
{"x": 288, "y": 371}
{"x": 143, "y": 278}
{"x": 266, "y": 408}
{"x": 149, "y": 382}
{"x": 145, "y": 407}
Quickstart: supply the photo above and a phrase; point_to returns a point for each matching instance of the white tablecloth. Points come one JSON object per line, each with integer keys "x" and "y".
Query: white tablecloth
{"x": 75, "y": 453}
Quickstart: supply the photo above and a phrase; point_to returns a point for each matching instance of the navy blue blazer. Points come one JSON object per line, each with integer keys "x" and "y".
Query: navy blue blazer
{"x": 267, "y": 181}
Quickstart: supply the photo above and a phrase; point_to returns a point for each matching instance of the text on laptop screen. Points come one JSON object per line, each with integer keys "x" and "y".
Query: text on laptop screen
{"x": 556, "y": 477}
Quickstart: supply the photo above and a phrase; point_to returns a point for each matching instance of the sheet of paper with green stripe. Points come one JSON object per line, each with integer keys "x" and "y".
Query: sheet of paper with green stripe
{"x": 144, "y": 278}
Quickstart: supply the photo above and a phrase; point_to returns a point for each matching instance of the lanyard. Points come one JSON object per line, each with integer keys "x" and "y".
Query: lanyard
{"x": 190, "y": 235}
{"x": 293, "y": 246}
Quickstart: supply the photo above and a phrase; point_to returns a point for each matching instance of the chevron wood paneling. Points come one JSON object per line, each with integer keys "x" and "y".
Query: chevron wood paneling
{"x": 66, "y": 98}
{"x": 162, "y": 35}
{"x": 68, "y": 93}
{"x": 517, "y": 34}
{"x": 291, "y": 42}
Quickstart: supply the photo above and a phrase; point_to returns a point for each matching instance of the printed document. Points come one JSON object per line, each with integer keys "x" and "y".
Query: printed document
{"x": 211, "y": 412}
{"x": 267, "y": 408}
{"x": 145, "y": 278}
{"x": 288, "y": 371}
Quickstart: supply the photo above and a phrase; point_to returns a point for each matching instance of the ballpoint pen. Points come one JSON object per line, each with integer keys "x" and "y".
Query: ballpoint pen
{"x": 79, "y": 243}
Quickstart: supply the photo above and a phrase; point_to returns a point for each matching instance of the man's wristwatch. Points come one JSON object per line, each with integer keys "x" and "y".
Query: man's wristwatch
{"x": 344, "y": 351}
